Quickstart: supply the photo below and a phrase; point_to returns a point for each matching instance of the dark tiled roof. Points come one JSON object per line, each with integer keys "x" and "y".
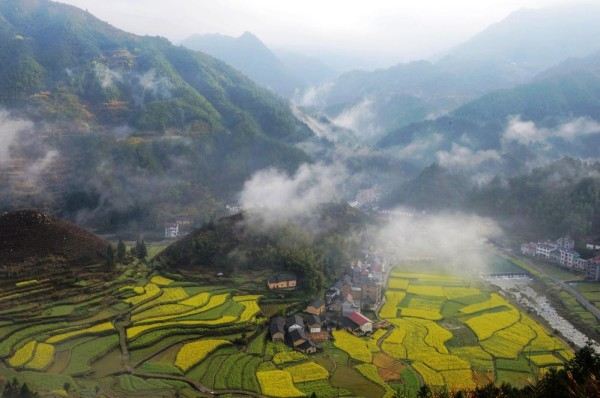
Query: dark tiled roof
{"x": 277, "y": 325}
{"x": 294, "y": 320}
{"x": 313, "y": 320}
{"x": 298, "y": 334}
{"x": 317, "y": 303}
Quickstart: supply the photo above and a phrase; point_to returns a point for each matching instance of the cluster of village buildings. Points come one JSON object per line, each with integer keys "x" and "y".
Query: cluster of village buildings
{"x": 562, "y": 252}
{"x": 359, "y": 290}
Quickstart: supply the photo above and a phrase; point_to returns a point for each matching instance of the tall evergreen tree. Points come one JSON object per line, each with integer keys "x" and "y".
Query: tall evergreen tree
{"x": 121, "y": 251}
{"x": 110, "y": 258}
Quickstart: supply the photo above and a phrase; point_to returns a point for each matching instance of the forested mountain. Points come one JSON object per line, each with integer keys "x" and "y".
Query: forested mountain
{"x": 551, "y": 200}
{"x": 506, "y": 54}
{"x": 136, "y": 128}
{"x": 559, "y": 109}
{"x": 284, "y": 73}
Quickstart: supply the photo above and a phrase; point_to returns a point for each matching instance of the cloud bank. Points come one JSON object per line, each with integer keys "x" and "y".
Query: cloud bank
{"x": 457, "y": 241}
{"x": 278, "y": 197}
{"x": 527, "y": 132}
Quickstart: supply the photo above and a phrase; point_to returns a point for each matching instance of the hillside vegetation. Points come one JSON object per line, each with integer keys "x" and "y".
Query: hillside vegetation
{"x": 141, "y": 127}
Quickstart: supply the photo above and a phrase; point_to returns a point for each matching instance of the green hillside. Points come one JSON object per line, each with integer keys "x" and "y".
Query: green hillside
{"x": 132, "y": 108}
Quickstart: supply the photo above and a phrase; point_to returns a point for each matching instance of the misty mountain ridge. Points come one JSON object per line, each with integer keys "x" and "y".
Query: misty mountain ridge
{"x": 556, "y": 114}
{"x": 508, "y": 53}
{"x": 283, "y": 72}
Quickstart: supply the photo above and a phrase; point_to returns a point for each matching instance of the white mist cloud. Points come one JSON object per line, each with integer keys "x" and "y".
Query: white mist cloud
{"x": 456, "y": 240}
{"x": 106, "y": 76}
{"x": 277, "y": 196}
{"x": 528, "y": 133}
{"x": 313, "y": 96}
{"x": 460, "y": 157}
{"x": 10, "y": 128}
{"x": 159, "y": 86}
{"x": 360, "y": 118}
{"x": 419, "y": 147}
{"x": 35, "y": 170}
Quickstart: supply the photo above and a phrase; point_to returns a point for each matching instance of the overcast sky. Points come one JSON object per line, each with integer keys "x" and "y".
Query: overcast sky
{"x": 387, "y": 31}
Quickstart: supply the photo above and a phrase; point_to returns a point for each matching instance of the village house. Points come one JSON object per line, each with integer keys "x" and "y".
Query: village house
{"x": 560, "y": 252}
{"x": 297, "y": 337}
{"x": 593, "y": 269}
{"x": 314, "y": 323}
{"x": 349, "y": 306}
{"x": 282, "y": 281}
{"x": 171, "y": 231}
{"x": 316, "y": 307}
{"x": 277, "y": 329}
{"x": 592, "y": 246}
{"x": 294, "y": 322}
{"x": 362, "y": 324}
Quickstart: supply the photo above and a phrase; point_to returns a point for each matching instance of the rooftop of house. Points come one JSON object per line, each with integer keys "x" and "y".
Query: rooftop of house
{"x": 313, "y": 320}
{"x": 277, "y": 325}
{"x": 282, "y": 277}
{"x": 359, "y": 318}
{"x": 294, "y": 320}
{"x": 297, "y": 334}
{"x": 317, "y": 303}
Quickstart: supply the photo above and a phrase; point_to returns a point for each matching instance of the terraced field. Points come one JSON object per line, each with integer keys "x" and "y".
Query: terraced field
{"x": 155, "y": 330}
{"x": 453, "y": 333}
{"x": 159, "y": 334}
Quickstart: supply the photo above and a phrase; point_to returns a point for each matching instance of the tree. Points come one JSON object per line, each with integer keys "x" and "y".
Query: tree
{"x": 121, "y": 251}
{"x": 110, "y": 258}
{"x": 141, "y": 251}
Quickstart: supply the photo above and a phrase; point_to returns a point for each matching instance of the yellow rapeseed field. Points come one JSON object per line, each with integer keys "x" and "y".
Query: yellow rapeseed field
{"x": 308, "y": 371}
{"x": 197, "y": 300}
{"x": 214, "y": 302}
{"x": 288, "y": 356}
{"x": 453, "y": 292}
{"x": 542, "y": 360}
{"x": 427, "y": 290}
{"x": 42, "y": 358}
{"x": 459, "y": 379}
{"x": 23, "y": 355}
{"x": 430, "y": 376}
{"x": 509, "y": 342}
{"x": 486, "y": 324}
{"x": 493, "y": 302}
{"x": 355, "y": 346}
{"x": 277, "y": 383}
{"x": 135, "y": 331}
{"x": 96, "y": 329}
{"x": 251, "y": 309}
{"x": 392, "y": 300}
{"x": 424, "y": 314}
{"x": 398, "y": 284}
{"x": 156, "y": 313}
{"x": 543, "y": 341}
{"x": 161, "y": 280}
{"x": 193, "y": 353}
{"x": 436, "y": 336}
{"x": 150, "y": 290}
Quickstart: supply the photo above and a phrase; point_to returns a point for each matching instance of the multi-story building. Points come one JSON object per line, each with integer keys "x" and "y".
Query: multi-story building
{"x": 593, "y": 269}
